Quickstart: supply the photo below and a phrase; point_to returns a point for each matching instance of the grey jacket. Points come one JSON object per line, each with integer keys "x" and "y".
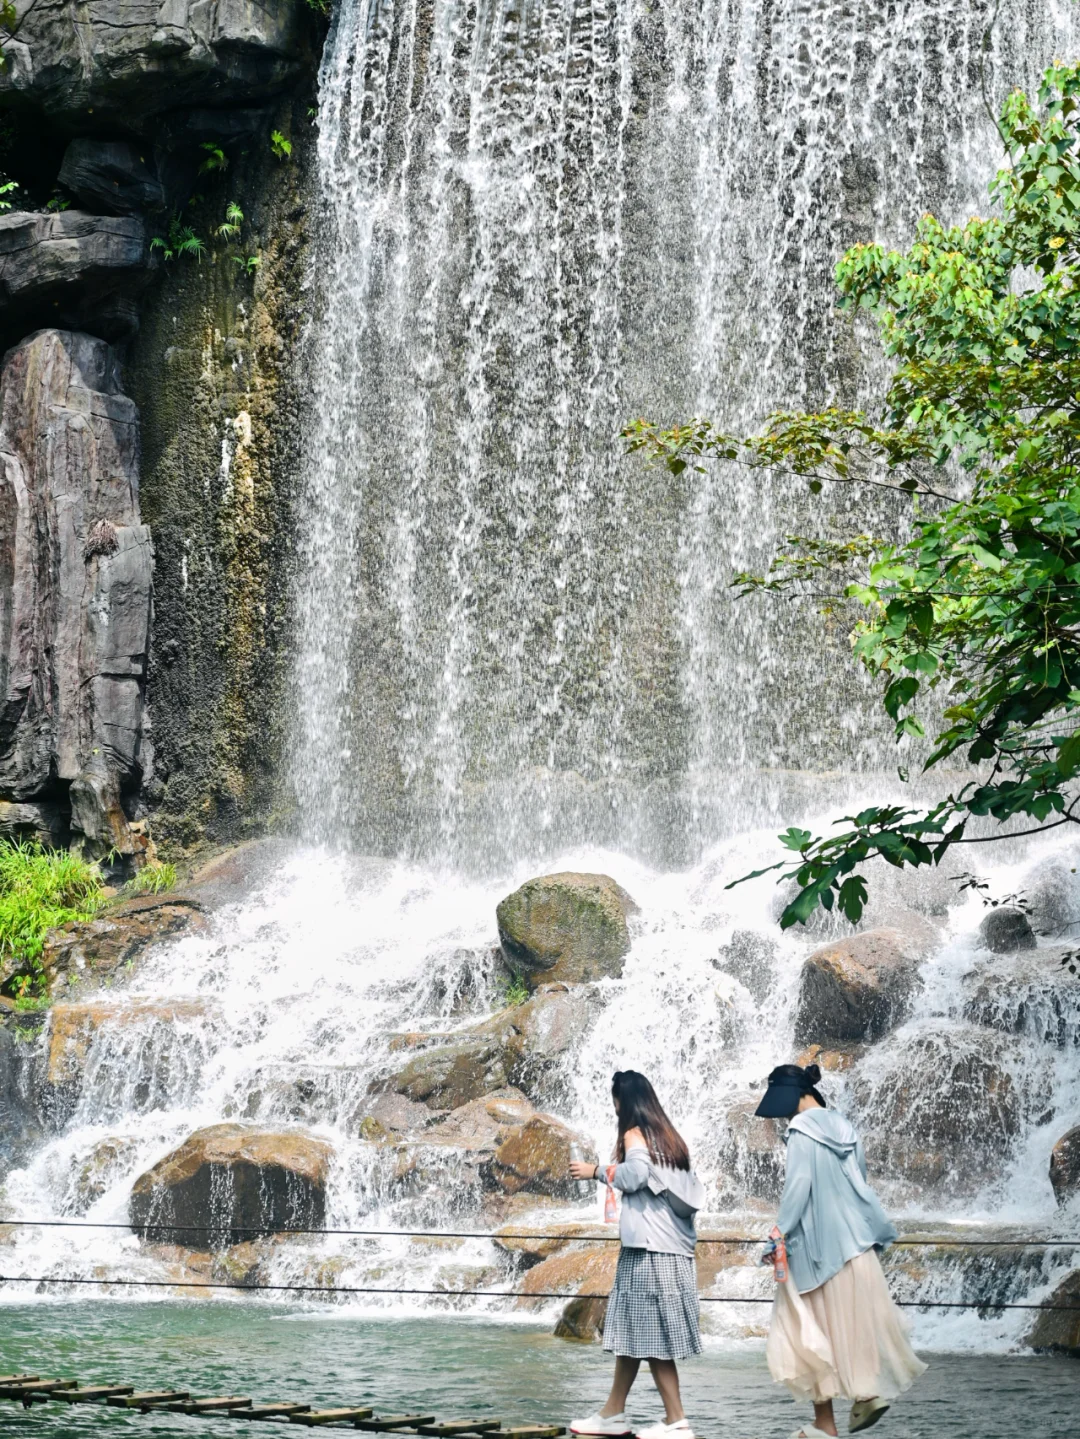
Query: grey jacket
{"x": 828, "y": 1213}
{"x": 658, "y": 1203}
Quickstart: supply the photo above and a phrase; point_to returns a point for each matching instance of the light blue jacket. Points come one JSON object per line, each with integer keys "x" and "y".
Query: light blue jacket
{"x": 828, "y": 1213}
{"x": 658, "y": 1203}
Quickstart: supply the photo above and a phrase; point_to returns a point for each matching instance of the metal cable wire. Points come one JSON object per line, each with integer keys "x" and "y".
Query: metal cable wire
{"x": 487, "y": 1234}
{"x": 483, "y": 1293}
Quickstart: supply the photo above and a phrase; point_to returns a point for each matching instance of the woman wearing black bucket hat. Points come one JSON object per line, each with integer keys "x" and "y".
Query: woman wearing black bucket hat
{"x": 835, "y": 1330}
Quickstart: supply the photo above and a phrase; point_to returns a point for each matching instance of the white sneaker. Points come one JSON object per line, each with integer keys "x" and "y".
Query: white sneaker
{"x": 679, "y": 1430}
{"x": 601, "y": 1424}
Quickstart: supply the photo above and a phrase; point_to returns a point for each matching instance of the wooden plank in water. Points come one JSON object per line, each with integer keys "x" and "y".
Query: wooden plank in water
{"x": 330, "y": 1416}
{"x": 532, "y": 1431}
{"x": 460, "y": 1426}
{"x": 270, "y": 1411}
{"x": 388, "y": 1422}
{"x": 148, "y": 1399}
{"x": 18, "y": 1378}
{"x": 93, "y": 1392}
{"x": 209, "y": 1405}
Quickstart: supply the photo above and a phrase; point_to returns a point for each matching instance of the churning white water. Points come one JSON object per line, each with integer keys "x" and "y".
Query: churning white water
{"x": 289, "y": 1010}
{"x": 517, "y": 650}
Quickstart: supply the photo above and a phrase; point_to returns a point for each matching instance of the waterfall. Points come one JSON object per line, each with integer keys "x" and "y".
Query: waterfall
{"x": 516, "y": 645}
{"x": 541, "y": 220}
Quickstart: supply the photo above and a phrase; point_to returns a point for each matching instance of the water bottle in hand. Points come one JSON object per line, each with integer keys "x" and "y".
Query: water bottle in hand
{"x": 577, "y": 1156}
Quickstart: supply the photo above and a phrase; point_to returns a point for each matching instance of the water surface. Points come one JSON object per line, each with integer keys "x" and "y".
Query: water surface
{"x": 516, "y": 1372}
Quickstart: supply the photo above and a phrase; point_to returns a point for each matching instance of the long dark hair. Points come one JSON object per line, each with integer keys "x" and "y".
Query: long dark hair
{"x": 639, "y": 1108}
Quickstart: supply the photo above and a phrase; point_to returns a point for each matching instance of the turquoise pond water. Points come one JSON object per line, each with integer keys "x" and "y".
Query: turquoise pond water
{"x": 463, "y": 1368}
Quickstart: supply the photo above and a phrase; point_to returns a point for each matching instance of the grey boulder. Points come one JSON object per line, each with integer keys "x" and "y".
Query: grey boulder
{"x": 81, "y": 270}
{"x": 453, "y": 1074}
{"x": 110, "y": 177}
{"x": 1065, "y": 1166}
{"x": 1006, "y": 930}
{"x": 566, "y": 927}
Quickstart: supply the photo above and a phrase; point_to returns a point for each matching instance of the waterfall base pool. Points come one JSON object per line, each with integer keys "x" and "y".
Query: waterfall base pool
{"x": 514, "y": 1372}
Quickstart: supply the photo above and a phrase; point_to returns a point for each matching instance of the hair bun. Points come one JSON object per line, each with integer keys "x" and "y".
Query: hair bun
{"x": 813, "y": 1073}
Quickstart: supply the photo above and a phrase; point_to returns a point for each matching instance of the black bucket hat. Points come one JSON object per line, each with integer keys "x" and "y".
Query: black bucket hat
{"x": 787, "y": 1085}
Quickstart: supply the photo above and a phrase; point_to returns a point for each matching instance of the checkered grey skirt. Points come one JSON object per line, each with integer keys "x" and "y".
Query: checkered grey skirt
{"x": 652, "y": 1312}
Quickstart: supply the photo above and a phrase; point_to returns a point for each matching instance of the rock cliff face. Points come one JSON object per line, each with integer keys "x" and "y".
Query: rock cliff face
{"x": 128, "y": 302}
{"x": 127, "y": 61}
{"x": 76, "y": 568}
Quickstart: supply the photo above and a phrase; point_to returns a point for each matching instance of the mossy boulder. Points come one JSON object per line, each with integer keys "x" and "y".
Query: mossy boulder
{"x": 566, "y": 927}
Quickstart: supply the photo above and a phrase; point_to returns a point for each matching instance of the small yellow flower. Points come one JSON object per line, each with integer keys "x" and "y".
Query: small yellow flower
{"x": 1057, "y": 242}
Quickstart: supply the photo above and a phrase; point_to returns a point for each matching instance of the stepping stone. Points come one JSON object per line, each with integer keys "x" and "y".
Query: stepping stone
{"x": 330, "y": 1416}
{"x": 460, "y": 1426}
{"x": 208, "y": 1405}
{"x": 389, "y": 1422}
{"x": 36, "y": 1386}
{"x": 271, "y": 1411}
{"x": 149, "y": 1399}
{"x": 93, "y": 1392}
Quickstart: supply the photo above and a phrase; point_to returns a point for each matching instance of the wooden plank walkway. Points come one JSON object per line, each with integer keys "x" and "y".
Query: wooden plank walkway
{"x": 31, "y": 1389}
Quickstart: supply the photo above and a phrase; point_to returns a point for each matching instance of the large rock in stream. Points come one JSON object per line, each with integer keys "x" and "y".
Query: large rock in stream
{"x": 535, "y": 1157}
{"x": 566, "y": 927}
{"x": 96, "y": 950}
{"x": 859, "y": 988}
{"x": 233, "y": 1181}
{"x": 1058, "y": 1327}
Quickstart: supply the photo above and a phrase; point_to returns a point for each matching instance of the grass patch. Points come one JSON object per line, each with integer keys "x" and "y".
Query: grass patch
{"x": 39, "y": 889}
{"x": 515, "y": 990}
{"x": 152, "y": 879}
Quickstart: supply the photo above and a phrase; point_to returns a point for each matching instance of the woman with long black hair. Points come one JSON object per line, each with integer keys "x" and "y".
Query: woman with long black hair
{"x": 652, "y": 1310}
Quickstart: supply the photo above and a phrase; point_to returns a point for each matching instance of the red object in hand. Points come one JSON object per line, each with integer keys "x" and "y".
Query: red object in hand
{"x": 780, "y": 1269}
{"x": 610, "y": 1208}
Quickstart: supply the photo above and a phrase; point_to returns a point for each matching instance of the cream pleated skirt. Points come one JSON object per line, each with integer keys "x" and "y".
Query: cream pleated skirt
{"x": 845, "y": 1338}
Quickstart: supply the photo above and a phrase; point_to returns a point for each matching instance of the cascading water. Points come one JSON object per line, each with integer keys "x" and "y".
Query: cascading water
{"x": 541, "y": 221}
{"x": 516, "y": 650}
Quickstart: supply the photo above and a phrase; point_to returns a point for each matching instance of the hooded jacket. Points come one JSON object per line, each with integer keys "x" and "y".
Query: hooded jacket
{"x": 659, "y": 1203}
{"x": 828, "y": 1213}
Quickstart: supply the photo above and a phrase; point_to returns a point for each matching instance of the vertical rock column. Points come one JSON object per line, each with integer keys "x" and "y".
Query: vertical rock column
{"x": 75, "y": 585}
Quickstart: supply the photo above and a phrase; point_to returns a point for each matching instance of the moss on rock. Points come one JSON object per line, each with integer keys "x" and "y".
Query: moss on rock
{"x": 569, "y": 927}
{"x": 212, "y": 372}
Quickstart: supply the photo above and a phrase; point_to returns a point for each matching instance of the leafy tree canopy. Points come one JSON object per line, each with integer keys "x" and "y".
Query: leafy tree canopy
{"x": 983, "y": 600}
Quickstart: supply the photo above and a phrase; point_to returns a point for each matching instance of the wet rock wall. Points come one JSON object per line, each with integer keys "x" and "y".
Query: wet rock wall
{"x": 151, "y": 263}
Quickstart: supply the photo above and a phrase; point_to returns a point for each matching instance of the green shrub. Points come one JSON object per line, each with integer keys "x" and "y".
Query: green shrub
{"x": 40, "y": 889}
